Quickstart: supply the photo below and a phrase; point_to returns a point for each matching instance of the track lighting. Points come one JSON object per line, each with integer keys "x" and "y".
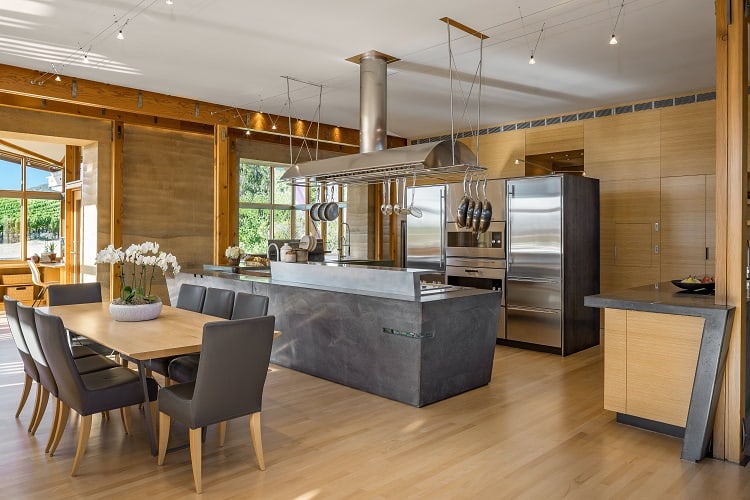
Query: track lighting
{"x": 613, "y": 40}
{"x": 120, "y": 36}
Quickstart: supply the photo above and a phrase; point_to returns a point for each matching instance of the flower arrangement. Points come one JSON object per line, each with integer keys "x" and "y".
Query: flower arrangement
{"x": 234, "y": 252}
{"x": 138, "y": 265}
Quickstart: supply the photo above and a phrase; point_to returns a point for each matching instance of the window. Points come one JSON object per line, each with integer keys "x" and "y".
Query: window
{"x": 30, "y": 206}
{"x": 272, "y": 209}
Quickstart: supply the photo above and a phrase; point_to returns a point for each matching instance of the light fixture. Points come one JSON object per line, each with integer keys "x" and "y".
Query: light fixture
{"x": 531, "y": 59}
{"x": 273, "y": 127}
{"x": 57, "y": 78}
{"x": 120, "y": 35}
{"x": 170, "y": 2}
{"x": 247, "y": 132}
{"x": 86, "y": 58}
{"x": 613, "y": 40}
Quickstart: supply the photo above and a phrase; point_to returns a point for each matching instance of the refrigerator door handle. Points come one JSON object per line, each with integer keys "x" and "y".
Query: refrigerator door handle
{"x": 533, "y": 280}
{"x": 532, "y": 309}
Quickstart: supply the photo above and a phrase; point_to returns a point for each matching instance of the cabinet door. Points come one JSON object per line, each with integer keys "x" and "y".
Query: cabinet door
{"x": 683, "y": 226}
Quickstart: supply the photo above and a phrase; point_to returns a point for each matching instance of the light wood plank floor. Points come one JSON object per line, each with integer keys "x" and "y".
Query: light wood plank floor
{"x": 538, "y": 431}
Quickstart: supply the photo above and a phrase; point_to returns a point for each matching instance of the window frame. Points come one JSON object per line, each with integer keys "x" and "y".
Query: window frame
{"x": 25, "y": 195}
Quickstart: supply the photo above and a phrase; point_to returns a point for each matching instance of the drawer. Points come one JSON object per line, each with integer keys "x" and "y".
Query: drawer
{"x": 21, "y": 293}
{"x": 16, "y": 279}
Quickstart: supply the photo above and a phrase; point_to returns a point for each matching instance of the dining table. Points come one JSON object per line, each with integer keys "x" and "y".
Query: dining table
{"x": 174, "y": 332}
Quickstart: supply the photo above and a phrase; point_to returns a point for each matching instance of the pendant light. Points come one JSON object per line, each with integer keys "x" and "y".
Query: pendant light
{"x": 613, "y": 39}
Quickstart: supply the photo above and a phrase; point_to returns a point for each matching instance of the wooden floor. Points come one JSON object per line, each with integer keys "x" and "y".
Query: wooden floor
{"x": 538, "y": 431}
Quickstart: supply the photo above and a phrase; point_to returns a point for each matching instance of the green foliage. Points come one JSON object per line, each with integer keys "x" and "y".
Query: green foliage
{"x": 10, "y": 219}
{"x": 254, "y": 226}
{"x": 43, "y": 218}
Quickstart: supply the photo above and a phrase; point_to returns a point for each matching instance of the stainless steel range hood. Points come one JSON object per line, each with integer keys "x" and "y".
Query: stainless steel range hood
{"x": 375, "y": 163}
{"x": 433, "y": 158}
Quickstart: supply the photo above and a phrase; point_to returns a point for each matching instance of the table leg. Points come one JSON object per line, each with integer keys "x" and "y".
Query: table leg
{"x": 149, "y": 423}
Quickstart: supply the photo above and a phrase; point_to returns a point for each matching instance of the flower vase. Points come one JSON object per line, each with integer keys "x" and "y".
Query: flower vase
{"x": 135, "y": 312}
{"x": 233, "y": 262}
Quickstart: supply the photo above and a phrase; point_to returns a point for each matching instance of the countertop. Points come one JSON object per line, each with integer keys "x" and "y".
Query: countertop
{"x": 663, "y": 298}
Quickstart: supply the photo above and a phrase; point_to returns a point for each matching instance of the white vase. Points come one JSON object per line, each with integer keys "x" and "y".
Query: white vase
{"x": 131, "y": 312}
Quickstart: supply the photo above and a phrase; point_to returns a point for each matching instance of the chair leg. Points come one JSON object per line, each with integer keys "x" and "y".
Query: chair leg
{"x": 125, "y": 414}
{"x": 83, "y": 440}
{"x": 64, "y": 413}
{"x": 222, "y": 432}
{"x": 27, "y": 382}
{"x": 153, "y": 407}
{"x": 257, "y": 441}
{"x": 164, "y": 423}
{"x": 40, "y": 411}
{"x": 34, "y": 412}
{"x": 55, "y": 424}
{"x": 167, "y": 381}
{"x": 195, "y": 457}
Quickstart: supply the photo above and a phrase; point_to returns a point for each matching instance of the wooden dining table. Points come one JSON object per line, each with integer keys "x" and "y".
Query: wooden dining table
{"x": 174, "y": 333}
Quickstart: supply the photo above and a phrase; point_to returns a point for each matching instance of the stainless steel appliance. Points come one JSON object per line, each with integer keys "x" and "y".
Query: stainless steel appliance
{"x": 424, "y": 238}
{"x": 553, "y": 262}
{"x": 477, "y": 260}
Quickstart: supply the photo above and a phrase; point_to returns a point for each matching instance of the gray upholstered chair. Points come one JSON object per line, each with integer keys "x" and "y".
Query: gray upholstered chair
{"x": 74, "y": 293}
{"x": 219, "y": 302}
{"x": 229, "y": 385}
{"x": 249, "y": 305}
{"x": 31, "y": 374}
{"x": 86, "y": 364}
{"x": 78, "y": 293}
{"x": 89, "y": 393}
{"x": 190, "y": 298}
{"x": 246, "y": 305}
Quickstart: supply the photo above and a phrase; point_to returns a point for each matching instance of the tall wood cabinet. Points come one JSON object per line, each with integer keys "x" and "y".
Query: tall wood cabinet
{"x": 687, "y": 226}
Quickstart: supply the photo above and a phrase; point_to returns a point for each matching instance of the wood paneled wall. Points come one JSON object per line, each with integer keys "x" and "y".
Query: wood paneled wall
{"x": 168, "y": 194}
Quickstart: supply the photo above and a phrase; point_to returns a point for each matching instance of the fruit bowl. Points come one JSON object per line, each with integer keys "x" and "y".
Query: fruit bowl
{"x": 693, "y": 287}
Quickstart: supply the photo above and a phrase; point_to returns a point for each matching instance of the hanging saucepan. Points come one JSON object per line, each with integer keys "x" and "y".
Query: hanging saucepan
{"x": 470, "y": 207}
{"x": 314, "y": 208}
{"x": 486, "y": 218}
{"x": 332, "y": 207}
{"x": 462, "y": 206}
{"x": 478, "y": 208}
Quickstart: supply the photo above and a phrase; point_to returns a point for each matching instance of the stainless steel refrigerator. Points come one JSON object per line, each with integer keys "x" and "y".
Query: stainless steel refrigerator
{"x": 424, "y": 238}
{"x": 553, "y": 262}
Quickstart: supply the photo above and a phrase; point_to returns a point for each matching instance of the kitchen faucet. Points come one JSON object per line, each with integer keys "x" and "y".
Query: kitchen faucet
{"x": 345, "y": 241}
{"x": 278, "y": 252}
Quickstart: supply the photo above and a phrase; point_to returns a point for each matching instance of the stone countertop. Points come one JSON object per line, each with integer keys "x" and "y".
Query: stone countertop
{"x": 662, "y": 298}
{"x": 454, "y": 293}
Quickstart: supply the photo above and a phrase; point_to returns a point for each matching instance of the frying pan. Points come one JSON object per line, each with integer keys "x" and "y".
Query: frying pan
{"x": 470, "y": 207}
{"x": 478, "y": 209}
{"x": 486, "y": 217}
{"x": 462, "y": 206}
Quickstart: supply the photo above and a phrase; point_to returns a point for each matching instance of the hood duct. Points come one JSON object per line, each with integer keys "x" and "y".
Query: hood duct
{"x": 375, "y": 163}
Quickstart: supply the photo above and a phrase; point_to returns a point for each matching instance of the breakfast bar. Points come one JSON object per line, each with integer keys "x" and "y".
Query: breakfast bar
{"x": 375, "y": 329}
{"x": 664, "y": 357}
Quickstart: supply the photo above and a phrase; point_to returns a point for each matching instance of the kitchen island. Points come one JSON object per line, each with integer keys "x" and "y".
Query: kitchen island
{"x": 373, "y": 328}
{"x": 664, "y": 357}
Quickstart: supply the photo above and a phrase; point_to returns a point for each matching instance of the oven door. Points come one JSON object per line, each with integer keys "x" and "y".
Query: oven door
{"x": 463, "y": 243}
{"x": 487, "y": 274}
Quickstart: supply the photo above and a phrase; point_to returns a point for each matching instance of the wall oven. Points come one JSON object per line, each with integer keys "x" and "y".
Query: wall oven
{"x": 487, "y": 274}
{"x": 463, "y": 243}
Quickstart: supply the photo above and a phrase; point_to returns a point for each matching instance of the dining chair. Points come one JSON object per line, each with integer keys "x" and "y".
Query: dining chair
{"x": 230, "y": 381}
{"x": 219, "y": 302}
{"x": 87, "y": 364}
{"x": 31, "y": 374}
{"x": 246, "y": 305}
{"x": 191, "y": 298}
{"x": 78, "y": 293}
{"x": 36, "y": 278}
{"x": 90, "y": 393}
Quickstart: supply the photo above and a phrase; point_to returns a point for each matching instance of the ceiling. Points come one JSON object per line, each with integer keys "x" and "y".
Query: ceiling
{"x": 235, "y": 53}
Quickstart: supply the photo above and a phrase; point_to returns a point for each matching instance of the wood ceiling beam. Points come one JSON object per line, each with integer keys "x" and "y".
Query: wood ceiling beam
{"x": 122, "y": 103}
{"x": 31, "y": 153}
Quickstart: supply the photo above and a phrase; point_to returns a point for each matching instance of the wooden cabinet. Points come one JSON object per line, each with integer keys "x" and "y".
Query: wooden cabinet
{"x": 687, "y": 226}
{"x": 15, "y": 281}
{"x": 649, "y": 364}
